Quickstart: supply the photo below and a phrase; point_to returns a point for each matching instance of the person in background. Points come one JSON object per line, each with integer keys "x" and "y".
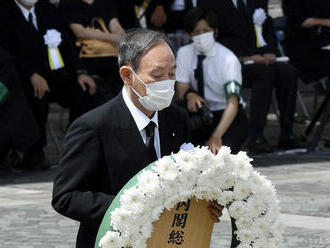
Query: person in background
{"x": 30, "y": 32}
{"x": 247, "y": 30}
{"x": 77, "y": 17}
{"x": 101, "y": 154}
{"x": 168, "y": 16}
{"x": 15, "y": 138}
{"x": 308, "y": 37}
{"x": 209, "y": 74}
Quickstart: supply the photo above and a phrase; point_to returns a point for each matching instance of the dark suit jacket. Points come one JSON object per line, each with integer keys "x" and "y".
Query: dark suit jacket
{"x": 297, "y": 12}
{"x": 103, "y": 150}
{"x": 26, "y": 45}
{"x": 15, "y": 110}
{"x": 236, "y": 32}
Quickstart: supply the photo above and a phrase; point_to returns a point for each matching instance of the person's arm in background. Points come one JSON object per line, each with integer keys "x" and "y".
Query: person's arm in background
{"x": 68, "y": 9}
{"x": 297, "y": 12}
{"x": 233, "y": 80}
{"x": 84, "y": 33}
{"x": 184, "y": 90}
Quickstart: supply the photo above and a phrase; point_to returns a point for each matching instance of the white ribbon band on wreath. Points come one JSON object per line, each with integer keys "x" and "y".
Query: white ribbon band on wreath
{"x": 195, "y": 172}
{"x": 53, "y": 40}
{"x": 259, "y": 18}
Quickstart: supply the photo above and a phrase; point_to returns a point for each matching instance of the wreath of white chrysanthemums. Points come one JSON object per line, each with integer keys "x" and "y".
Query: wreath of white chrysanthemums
{"x": 195, "y": 172}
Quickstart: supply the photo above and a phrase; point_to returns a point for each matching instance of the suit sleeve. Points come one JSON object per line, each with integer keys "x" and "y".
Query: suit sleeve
{"x": 295, "y": 11}
{"x": 77, "y": 193}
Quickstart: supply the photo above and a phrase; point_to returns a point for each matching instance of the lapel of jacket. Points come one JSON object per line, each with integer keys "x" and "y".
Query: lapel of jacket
{"x": 128, "y": 134}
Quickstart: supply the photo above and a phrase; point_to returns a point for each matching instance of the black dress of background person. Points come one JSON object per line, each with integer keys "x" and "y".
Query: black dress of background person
{"x": 303, "y": 44}
{"x": 104, "y": 148}
{"x": 236, "y": 31}
{"x": 81, "y": 12}
{"x": 18, "y": 129}
{"x": 26, "y": 45}
{"x": 174, "y": 20}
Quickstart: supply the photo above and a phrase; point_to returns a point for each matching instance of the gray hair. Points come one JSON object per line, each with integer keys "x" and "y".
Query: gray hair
{"x": 135, "y": 42}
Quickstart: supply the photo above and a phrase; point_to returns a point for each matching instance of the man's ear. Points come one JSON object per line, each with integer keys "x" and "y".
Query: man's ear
{"x": 126, "y": 75}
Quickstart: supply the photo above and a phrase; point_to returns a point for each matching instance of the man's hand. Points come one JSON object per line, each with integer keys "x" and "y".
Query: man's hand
{"x": 194, "y": 102}
{"x": 40, "y": 85}
{"x": 259, "y": 59}
{"x": 158, "y": 18}
{"x": 84, "y": 80}
{"x": 270, "y": 58}
{"x": 214, "y": 143}
{"x": 215, "y": 211}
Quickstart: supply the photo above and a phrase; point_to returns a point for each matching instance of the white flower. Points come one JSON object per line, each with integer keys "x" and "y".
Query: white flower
{"x": 260, "y": 226}
{"x": 132, "y": 199}
{"x": 226, "y": 197}
{"x": 166, "y": 168}
{"x": 241, "y": 190}
{"x": 245, "y": 236}
{"x": 244, "y": 222}
{"x": 226, "y": 178}
{"x": 111, "y": 240}
{"x": 148, "y": 181}
{"x": 120, "y": 218}
{"x": 52, "y": 38}
{"x": 259, "y": 16}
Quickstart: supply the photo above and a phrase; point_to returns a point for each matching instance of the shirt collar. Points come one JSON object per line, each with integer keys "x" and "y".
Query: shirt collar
{"x": 139, "y": 117}
{"x": 210, "y": 53}
{"x": 26, "y": 12}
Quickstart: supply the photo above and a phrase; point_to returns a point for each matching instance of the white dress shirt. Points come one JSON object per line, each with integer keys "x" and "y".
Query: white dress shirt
{"x": 235, "y": 2}
{"x": 178, "y": 5}
{"x": 26, "y": 13}
{"x": 142, "y": 121}
{"x": 219, "y": 67}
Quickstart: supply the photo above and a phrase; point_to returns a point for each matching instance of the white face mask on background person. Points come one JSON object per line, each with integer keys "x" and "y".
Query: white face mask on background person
{"x": 159, "y": 94}
{"x": 204, "y": 42}
{"x": 29, "y": 3}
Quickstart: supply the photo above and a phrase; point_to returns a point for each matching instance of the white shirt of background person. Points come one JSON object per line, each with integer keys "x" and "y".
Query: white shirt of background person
{"x": 179, "y": 5}
{"x": 219, "y": 67}
{"x": 235, "y": 2}
{"x": 26, "y": 13}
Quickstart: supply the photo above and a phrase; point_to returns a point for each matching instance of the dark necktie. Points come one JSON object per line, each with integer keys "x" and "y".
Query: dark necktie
{"x": 241, "y": 7}
{"x": 31, "y": 20}
{"x": 150, "y": 131}
{"x": 199, "y": 75}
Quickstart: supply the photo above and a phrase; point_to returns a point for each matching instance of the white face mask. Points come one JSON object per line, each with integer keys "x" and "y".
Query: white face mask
{"x": 159, "y": 94}
{"x": 29, "y": 3}
{"x": 204, "y": 42}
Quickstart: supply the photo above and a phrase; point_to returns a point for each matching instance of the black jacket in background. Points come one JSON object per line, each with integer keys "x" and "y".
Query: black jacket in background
{"x": 26, "y": 45}
{"x": 297, "y": 12}
{"x": 102, "y": 151}
{"x": 236, "y": 32}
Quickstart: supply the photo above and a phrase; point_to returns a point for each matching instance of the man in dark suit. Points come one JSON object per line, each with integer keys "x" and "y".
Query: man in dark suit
{"x": 45, "y": 63}
{"x": 307, "y": 37}
{"x": 107, "y": 146}
{"x": 260, "y": 70}
{"x": 15, "y": 138}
